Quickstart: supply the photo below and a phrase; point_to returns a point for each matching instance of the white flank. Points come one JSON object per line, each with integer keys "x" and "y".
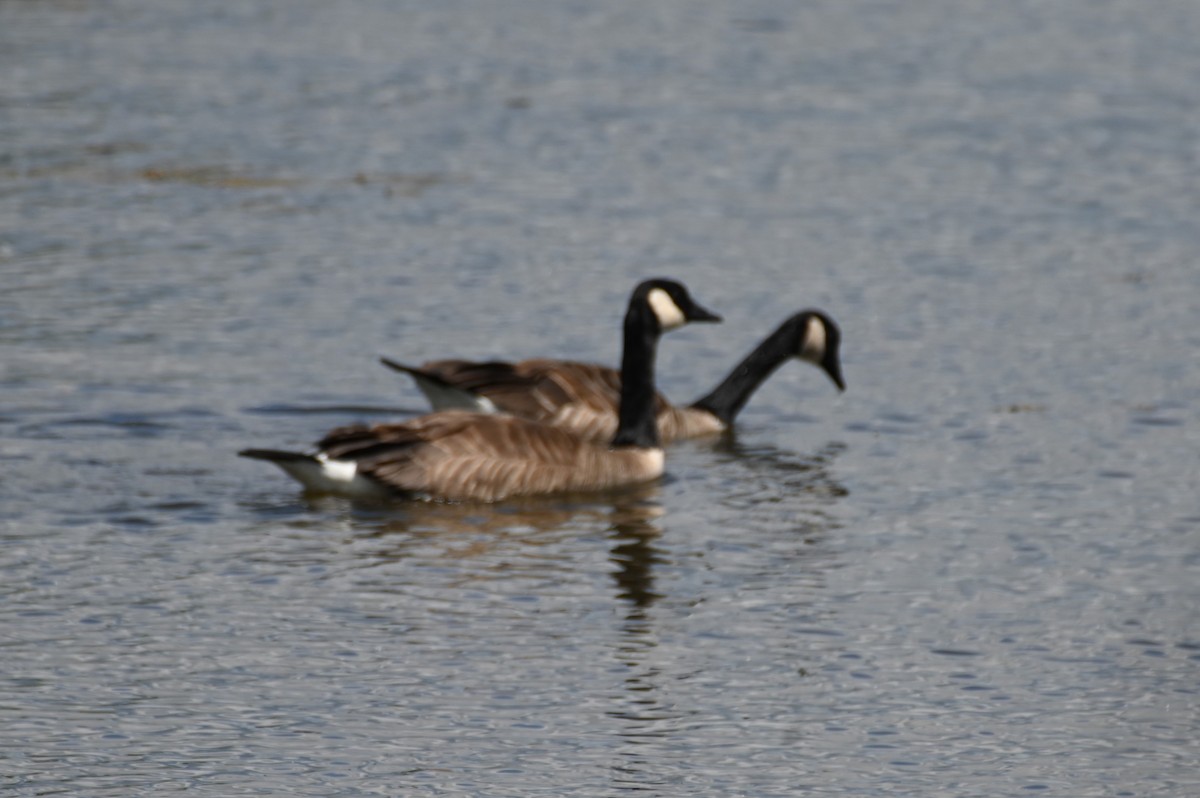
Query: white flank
{"x": 668, "y": 313}
{"x": 653, "y": 460}
{"x": 814, "y": 341}
{"x": 691, "y": 422}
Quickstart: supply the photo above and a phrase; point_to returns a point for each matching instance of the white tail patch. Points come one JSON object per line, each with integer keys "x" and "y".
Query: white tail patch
{"x": 669, "y": 314}
{"x": 324, "y": 475}
{"x": 338, "y": 470}
{"x": 813, "y": 349}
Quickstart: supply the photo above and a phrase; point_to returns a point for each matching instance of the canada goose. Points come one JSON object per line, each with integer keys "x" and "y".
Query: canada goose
{"x": 583, "y": 397}
{"x": 461, "y": 455}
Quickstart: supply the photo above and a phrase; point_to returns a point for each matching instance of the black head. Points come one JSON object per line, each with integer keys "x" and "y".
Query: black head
{"x": 669, "y": 303}
{"x": 818, "y": 341}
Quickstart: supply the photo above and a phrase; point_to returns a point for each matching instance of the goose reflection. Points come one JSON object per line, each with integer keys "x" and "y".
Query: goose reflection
{"x": 635, "y": 555}
{"x": 766, "y": 495}
{"x": 808, "y": 474}
{"x": 389, "y": 534}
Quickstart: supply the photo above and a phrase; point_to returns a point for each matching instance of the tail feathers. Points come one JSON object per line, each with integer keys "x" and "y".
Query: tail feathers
{"x": 441, "y": 393}
{"x": 414, "y": 372}
{"x": 321, "y": 474}
{"x": 278, "y": 456}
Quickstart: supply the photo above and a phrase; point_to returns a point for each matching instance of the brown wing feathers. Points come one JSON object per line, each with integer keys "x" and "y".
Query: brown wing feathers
{"x": 580, "y": 397}
{"x": 462, "y": 455}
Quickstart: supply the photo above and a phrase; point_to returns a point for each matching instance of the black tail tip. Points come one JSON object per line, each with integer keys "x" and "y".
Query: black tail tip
{"x": 395, "y": 365}
{"x": 273, "y": 455}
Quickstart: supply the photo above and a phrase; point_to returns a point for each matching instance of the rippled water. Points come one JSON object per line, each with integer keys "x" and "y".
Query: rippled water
{"x": 975, "y": 573}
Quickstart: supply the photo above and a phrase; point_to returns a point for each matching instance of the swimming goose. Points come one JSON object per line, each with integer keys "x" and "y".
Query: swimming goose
{"x": 583, "y": 397}
{"x": 471, "y": 456}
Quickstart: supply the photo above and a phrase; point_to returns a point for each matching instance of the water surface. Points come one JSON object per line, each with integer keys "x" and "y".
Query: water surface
{"x": 975, "y": 573}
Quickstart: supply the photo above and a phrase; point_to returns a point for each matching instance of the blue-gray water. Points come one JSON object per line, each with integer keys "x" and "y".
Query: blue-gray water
{"x": 975, "y": 573}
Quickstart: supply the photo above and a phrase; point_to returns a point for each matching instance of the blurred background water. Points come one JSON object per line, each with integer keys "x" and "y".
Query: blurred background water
{"x": 975, "y": 573}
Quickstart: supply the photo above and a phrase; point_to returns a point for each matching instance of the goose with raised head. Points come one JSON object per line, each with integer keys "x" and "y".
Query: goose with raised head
{"x": 470, "y": 456}
{"x": 583, "y": 397}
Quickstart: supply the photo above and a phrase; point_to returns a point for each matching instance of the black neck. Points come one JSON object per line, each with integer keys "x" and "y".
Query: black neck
{"x": 727, "y": 399}
{"x": 636, "y": 424}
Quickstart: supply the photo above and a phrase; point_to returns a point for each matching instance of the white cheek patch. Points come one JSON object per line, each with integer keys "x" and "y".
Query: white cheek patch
{"x": 814, "y": 341}
{"x": 668, "y": 313}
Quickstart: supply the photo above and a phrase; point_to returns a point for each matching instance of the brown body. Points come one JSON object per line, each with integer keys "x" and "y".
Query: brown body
{"x": 464, "y": 456}
{"x": 584, "y": 398}
{"x": 581, "y": 398}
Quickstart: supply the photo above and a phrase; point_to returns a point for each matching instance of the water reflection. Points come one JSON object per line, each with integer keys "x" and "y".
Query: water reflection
{"x": 635, "y": 554}
{"x": 777, "y": 505}
{"x": 527, "y": 571}
{"x": 390, "y": 533}
{"x": 809, "y": 475}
